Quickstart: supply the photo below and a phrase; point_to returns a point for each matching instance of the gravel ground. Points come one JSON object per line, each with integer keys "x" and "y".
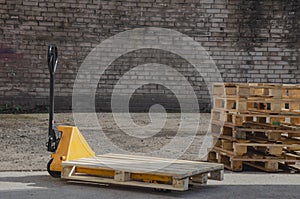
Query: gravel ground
{"x": 23, "y": 138}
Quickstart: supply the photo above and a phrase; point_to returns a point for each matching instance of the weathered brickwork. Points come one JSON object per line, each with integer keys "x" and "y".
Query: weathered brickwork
{"x": 249, "y": 41}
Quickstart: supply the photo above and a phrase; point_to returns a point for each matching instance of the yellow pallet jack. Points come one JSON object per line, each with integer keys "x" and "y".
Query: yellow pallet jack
{"x": 73, "y": 159}
{"x": 68, "y": 143}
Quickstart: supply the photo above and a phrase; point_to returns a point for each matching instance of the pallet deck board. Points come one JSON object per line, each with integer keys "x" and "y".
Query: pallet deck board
{"x": 178, "y": 169}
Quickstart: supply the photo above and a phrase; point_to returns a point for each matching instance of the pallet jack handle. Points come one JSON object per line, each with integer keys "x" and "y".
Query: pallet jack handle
{"x": 52, "y": 64}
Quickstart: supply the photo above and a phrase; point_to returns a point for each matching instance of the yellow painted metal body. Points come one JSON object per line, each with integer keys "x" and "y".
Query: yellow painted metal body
{"x": 133, "y": 176}
{"x": 72, "y": 145}
{"x": 151, "y": 178}
{"x": 96, "y": 172}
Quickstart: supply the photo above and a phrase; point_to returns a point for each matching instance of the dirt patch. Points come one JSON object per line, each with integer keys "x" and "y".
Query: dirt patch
{"x": 23, "y": 138}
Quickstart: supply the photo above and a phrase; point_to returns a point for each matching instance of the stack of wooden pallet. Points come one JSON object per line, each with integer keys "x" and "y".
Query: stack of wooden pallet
{"x": 257, "y": 125}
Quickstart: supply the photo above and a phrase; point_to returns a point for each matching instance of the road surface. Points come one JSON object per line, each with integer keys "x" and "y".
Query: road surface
{"x": 236, "y": 185}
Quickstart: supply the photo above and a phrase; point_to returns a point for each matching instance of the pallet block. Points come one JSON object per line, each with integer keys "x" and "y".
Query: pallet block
{"x": 227, "y": 160}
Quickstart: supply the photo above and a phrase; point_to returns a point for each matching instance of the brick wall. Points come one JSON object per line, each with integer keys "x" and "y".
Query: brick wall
{"x": 249, "y": 40}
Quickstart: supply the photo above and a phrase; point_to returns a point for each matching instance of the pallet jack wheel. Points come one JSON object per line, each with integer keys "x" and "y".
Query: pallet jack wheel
{"x": 55, "y": 174}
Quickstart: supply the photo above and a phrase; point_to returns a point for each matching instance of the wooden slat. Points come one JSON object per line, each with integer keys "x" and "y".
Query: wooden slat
{"x": 268, "y": 145}
{"x": 143, "y": 165}
{"x": 128, "y": 183}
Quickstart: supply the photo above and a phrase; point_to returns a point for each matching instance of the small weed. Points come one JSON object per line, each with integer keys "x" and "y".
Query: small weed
{"x": 18, "y": 108}
{"x": 10, "y": 108}
{"x": 6, "y": 105}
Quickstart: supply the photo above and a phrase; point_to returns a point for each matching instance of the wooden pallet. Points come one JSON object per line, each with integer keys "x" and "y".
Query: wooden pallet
{"x": 235, "y": 163}
{"x": 257, "y": 105}
{"x": 141, "y": 171}
{"x": 236, "y": 119}
{"x": 250, "y": 131}
{"x": 267, "y": 148}
{"x": 241, "y": 147}
{"x": 240, "y": 90}
{"x": 267, "y": 133}
{"x": 257, "y": 97}
{"x": 274, "y": 106}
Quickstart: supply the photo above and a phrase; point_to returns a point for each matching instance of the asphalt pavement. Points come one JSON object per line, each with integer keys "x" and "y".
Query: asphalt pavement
{"x": 235, "y": 185}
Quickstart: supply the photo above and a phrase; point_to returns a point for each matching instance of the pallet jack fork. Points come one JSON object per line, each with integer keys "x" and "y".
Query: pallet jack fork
{"x": 68, "y": 143}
